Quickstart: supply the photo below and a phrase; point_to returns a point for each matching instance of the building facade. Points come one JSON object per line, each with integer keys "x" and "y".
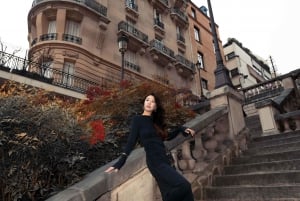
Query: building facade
{"x": 246, "y": 69}
{"x": 203, "y": 47}
{"x": 80, "y": 38}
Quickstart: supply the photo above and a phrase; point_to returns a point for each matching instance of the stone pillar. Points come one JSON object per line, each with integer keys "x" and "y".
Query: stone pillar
{"x": 267, "y": 112}
{"x": 233, "y": 100}
{"x": 60, "y": 23}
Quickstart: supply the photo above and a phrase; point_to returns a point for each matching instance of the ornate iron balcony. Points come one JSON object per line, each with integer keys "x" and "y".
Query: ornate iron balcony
{"x": 49, "y": 36}
{"x": 71, "y": 38}
{"x": 132, "y": 30}
{"x": 132, "y": 5}
{"x": 157, "y": 45}
{"x": 159, "y": 23}
{"x": 185, "y": 62}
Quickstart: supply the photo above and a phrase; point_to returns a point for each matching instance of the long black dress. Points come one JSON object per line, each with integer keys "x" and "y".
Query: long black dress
{"x": 173, "y": 186}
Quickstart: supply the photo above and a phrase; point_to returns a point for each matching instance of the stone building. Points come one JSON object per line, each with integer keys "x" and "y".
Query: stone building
{"x": 246, "y": 68}
{"x": 165, "y": 38}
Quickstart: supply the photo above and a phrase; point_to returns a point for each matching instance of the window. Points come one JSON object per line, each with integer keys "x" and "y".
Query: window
{"x": 230, "y": 56}
{"x": 204, "y": 83}
{"x": 200, "y": 59}
{"x": 72, "y": 28}
{"x": 193, "y": 13}
{"x": 157, "y": 15}
{"x": 131, "y": 61}
{"x": 234, "y": 72}
{"x": 52, "y": 26}
{"x": 197, "y": 34}
{"x": 68, "y": 72}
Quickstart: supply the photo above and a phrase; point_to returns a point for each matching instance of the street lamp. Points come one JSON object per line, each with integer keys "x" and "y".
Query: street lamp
{"x": 198, "y": 66}
{"x": 122, "y": 43}
{"x": 221, "y": 72}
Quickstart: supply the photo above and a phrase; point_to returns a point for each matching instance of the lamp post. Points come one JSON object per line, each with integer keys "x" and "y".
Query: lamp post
{"x": 198, "y": 66}
{"x": 221, "y": 72}
{"x": 122, "y": 43}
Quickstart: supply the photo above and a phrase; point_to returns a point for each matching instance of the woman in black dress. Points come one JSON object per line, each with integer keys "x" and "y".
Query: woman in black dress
{"x": 150, "y": 128}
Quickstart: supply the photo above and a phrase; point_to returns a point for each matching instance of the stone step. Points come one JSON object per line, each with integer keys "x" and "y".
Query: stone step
{"x": 287, "y": 139}
{"x": 263, "y": 158}
{"x": 253, "y": 192}
{"x": 276, "y": 136}
{"x": 283, "y": 165}
{"x": 272, "y": 149}
{"x": 259, "y": 178}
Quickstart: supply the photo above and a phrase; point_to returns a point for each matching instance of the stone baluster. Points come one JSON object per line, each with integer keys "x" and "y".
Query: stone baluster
{"x": 187, "y": 162}
{"x": 210, "y": 143}
{"x": 199, "y": 153}
{"x": 221, "y": 133}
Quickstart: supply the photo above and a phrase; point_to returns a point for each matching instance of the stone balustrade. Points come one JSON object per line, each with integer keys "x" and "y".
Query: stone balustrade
{"x": 197, "y": 158}
{"x": 281, "y": 113}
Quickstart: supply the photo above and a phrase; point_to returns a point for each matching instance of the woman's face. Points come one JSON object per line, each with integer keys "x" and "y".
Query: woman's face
{"x": 149, "y": 104}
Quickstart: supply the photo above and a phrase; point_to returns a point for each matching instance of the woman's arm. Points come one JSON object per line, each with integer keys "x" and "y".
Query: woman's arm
{"x": 131, "y": 142}
{"x": 181, "y": 129}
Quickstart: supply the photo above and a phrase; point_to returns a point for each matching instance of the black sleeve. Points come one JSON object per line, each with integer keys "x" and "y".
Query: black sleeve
{"x": 173, "y": 133}
{"x": 131, "y": 142}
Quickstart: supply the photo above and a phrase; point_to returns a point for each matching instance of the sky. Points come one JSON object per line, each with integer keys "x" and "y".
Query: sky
{"x": 266, "y": 27}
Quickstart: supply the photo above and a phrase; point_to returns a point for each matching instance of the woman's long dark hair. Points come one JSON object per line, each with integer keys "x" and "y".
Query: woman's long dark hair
{"x": 159, "y": 117}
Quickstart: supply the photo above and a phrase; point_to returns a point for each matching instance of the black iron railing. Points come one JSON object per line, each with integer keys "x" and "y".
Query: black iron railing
{"x": 89, "y": 3}
{"x": 49, "y": 36}
{"x": 132, "y": 30}
{"x": 181, "y": 14}
{"x": 72, "y": 39}
{"x": 156, "y": 44}
{"x": 185, "y": 62}
{"x": 34, "y": 70}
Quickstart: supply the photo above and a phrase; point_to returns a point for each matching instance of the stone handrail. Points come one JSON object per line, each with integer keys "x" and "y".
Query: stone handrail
{"x": 275, "y": 113}
{"x": 213, "y": 147}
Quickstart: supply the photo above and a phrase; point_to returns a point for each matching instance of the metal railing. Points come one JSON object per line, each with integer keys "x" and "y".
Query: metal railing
{"x": 73, "y": 39}
{"x": 34, "y": 70}
{"x": 264, "y": 90}
{"x": 181, "y": 14}
{"x": 89, "y": 3}
{"x": 49, "y": 36}
{"x": 162, "y": 48}
{"x": 187, "y": 63}
{"x": 132, "y": 30}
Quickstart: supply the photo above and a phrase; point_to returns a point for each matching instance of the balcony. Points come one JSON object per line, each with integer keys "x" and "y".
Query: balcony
{"x": 184, "y": 67}
{"x": 49, "y": 36}
{"x": 161, "y": 54}
{"x": 132, "y": 10}
{"x": 72, "y": 39}
{"x": 161, "y": 5}
{"x": 180, "y": 4}
{"x": 137, "y": 39}
{"x": 91, "y": 4}
{"x": 159, "y": 27}
{"x": 132, "y": 66}
{"x": 179, "y": 17}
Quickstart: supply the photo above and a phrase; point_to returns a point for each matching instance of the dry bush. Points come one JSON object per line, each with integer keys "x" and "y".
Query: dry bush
{"x": 49, "y": 142}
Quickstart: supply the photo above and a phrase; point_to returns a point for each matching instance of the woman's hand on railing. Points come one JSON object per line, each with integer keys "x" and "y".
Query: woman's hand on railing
{"x": 111, "y": 169}
{"x": 189, "y": 131}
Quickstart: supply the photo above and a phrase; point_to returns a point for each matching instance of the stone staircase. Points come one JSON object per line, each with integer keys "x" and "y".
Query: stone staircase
{"x": 268, "y": 171}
